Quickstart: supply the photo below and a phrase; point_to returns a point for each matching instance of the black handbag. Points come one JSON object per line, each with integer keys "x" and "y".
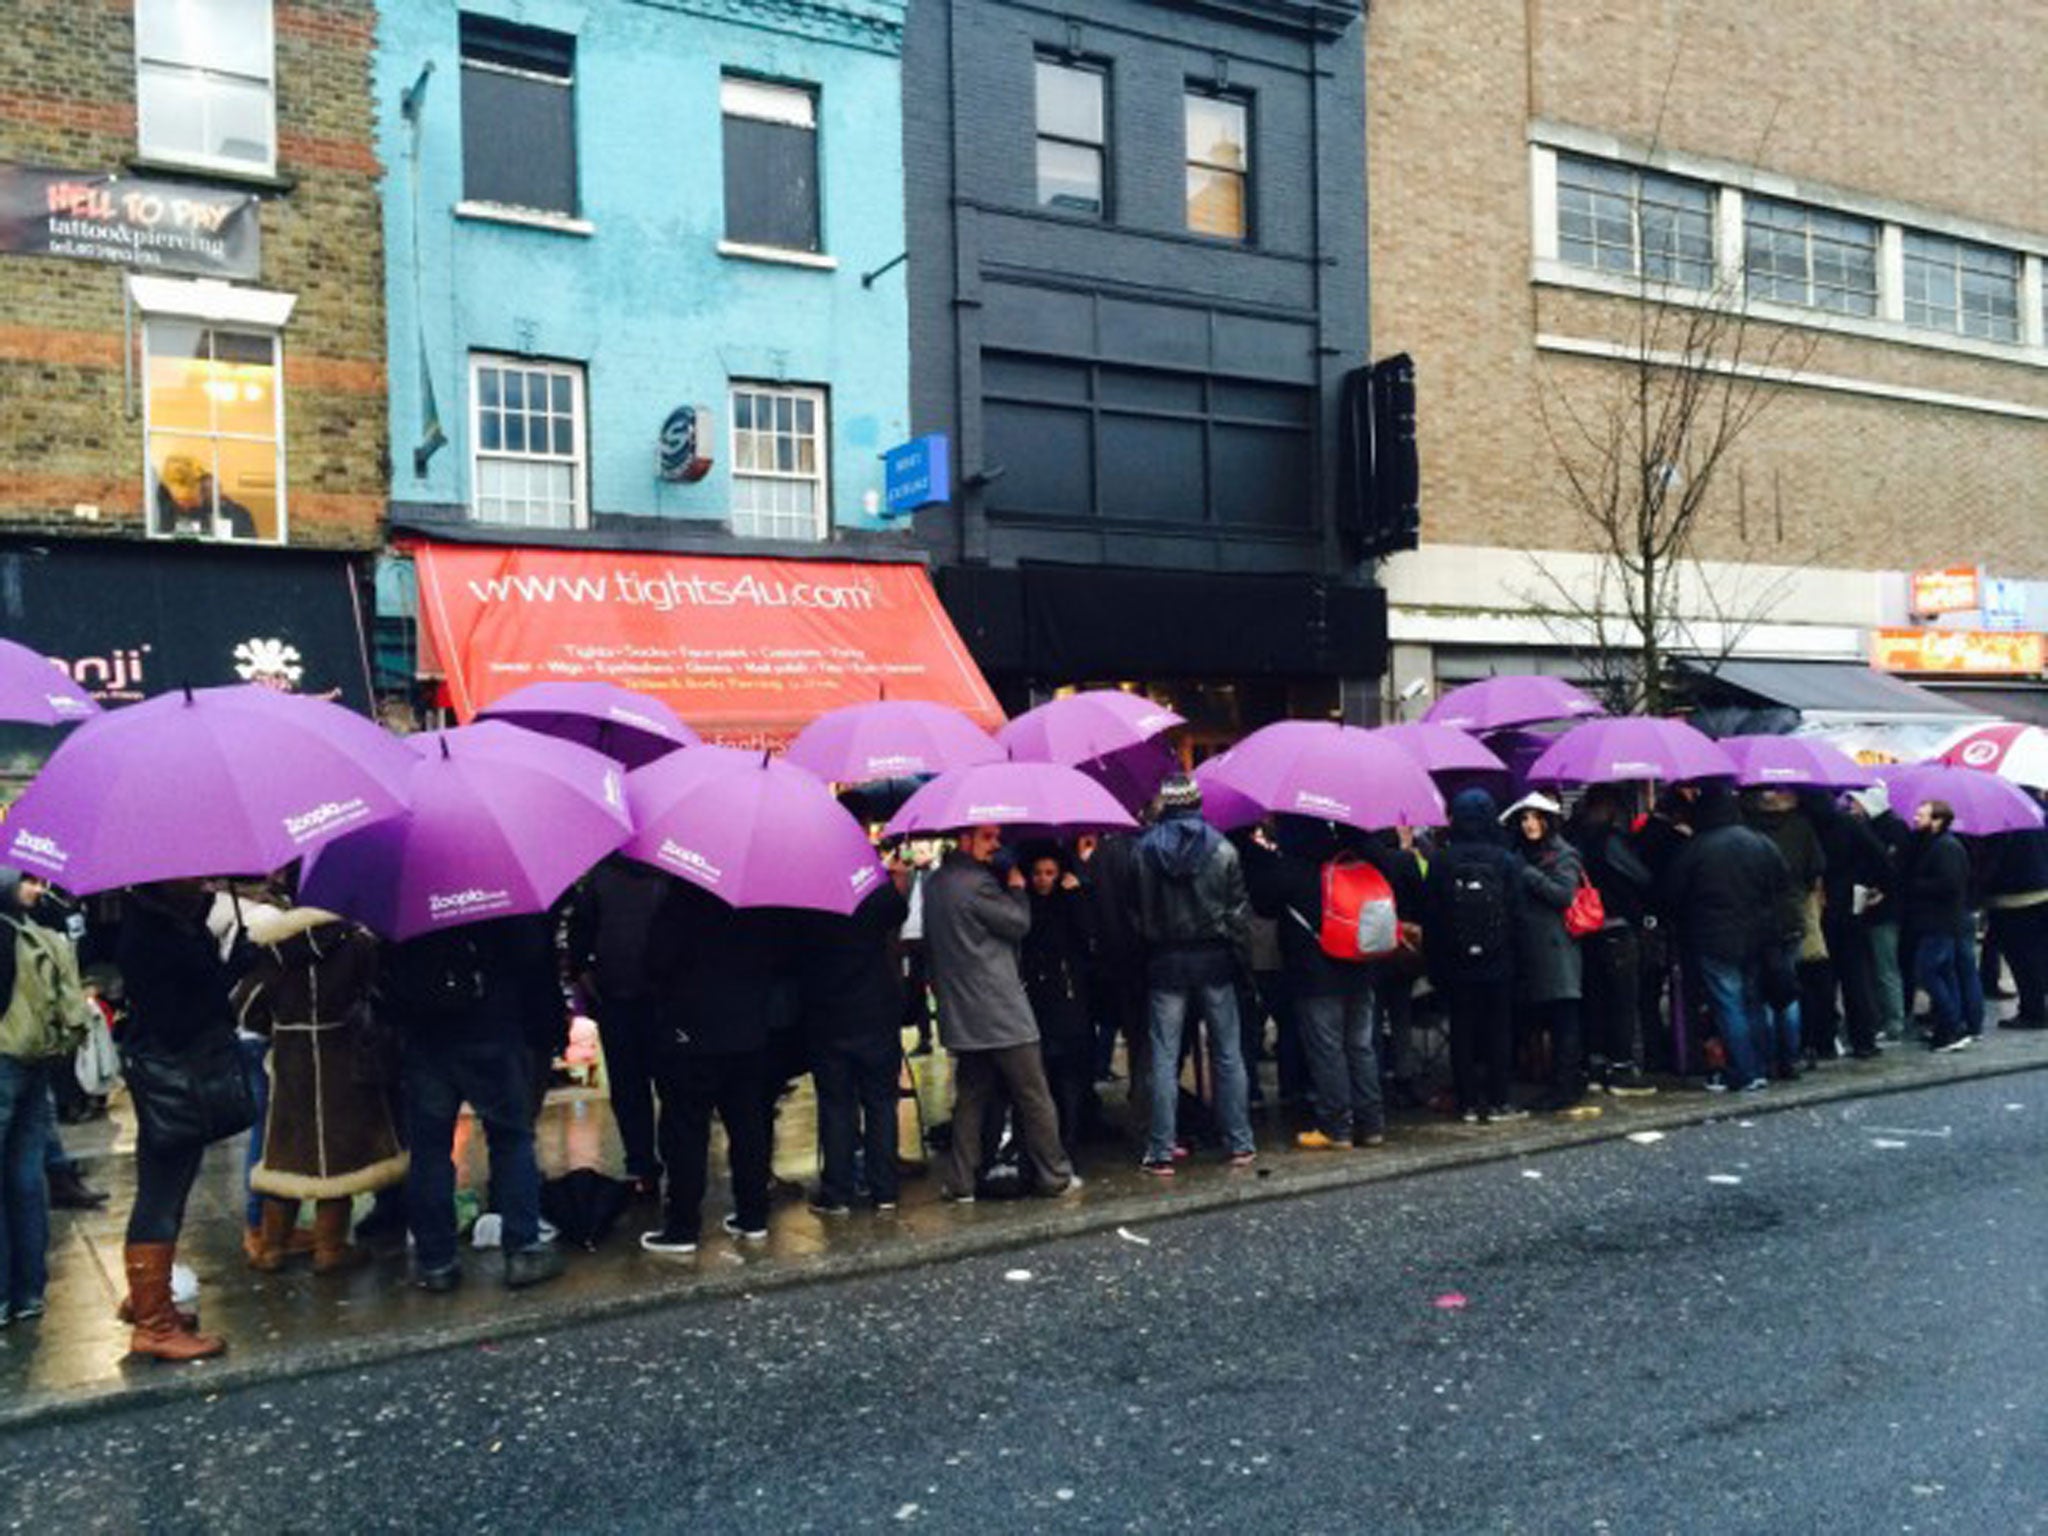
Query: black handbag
{"x": 192, "y": 1097}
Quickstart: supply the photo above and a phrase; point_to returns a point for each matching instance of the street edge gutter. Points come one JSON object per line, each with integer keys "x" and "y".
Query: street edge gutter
{"x": 207, "y": 1379}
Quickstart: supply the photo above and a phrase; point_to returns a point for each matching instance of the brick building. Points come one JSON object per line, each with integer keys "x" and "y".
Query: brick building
{"x": 193, "y": 451}
{"x": 1854, "y": 181}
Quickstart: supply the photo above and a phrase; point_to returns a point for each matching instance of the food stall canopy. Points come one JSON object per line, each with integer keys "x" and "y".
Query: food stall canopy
{"x": 1835, "y": 692}
{"x": 746, "y": 650}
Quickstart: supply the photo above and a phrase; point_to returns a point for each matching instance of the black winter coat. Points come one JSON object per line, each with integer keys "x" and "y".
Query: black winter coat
{"x": 1054, "y": 964}
{"x": 518, "y": 990}
{"x": 178, "y": 986}
{"x": 714, "y": 973}
{"x": 1937, "y": 883}
{"x": 1475, "y": 841}
{"x": 849, "y": 975}
{"x": 1727, "y": 887}
{"x": 1286, "y": 884}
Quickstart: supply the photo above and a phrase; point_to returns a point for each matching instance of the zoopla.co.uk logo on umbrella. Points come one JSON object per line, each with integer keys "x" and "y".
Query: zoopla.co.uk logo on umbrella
{"x": 441, "y": 905}
{"x": 323, "y": 817}
{"x": 689, "y": 861}
{"x": 33, "y": 848}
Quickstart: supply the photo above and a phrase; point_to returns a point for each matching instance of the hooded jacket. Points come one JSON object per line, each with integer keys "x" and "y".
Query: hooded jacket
{"x": 1474, "y": 842}
{"x": 1727, "y": 885}
{"x": 1193, "y": 911}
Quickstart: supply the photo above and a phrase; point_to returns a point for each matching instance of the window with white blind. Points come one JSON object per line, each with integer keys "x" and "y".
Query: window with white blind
{"x": 779, "y": 462}
{"x": 527, "y": 436}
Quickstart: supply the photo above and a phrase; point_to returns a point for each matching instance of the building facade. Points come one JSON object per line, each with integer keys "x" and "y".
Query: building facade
{"x": 1565, "y": 196}
{"x": 191, "y": 340}
{"x": 1137, "y": 284}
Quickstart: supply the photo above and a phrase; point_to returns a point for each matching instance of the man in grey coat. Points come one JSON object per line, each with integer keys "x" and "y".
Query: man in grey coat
{"x": 973, "y": 929}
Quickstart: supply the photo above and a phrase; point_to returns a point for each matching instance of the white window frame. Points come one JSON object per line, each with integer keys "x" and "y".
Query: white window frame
{"x": 171, "y": 317}
{"x": 578, "y": 460}
{"x": 183, "y": 157}
{"x": 1955, "y": 268}
{"x": 820, "y": 477}
{"x": 1639, "y": 197}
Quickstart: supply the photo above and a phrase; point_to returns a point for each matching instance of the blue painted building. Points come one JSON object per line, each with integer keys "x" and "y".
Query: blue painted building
{"x": 600, "y": 211}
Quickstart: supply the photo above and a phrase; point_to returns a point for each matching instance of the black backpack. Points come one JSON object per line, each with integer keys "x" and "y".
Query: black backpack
{"x": 1478, "y": 910}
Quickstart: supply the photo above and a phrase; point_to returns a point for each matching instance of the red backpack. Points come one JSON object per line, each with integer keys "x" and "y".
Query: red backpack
{"x": 1359, "y": 922}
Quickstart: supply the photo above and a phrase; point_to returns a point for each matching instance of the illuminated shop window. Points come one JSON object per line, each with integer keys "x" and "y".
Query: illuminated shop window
{"x": 214, "y": 421}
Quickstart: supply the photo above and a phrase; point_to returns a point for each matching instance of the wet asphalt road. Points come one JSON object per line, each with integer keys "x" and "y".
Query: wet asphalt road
{"x": 1828, "y": 1320}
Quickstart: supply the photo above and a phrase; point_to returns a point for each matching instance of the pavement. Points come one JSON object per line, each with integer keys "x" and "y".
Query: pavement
{"x": 1821, "y": 1319}
{"x": 293, "y": 1323}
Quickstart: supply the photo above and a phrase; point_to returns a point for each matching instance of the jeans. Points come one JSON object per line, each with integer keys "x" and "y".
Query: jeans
{"x": 492, "y": 1076}
{"x": 1217, "y": 1003}
{"x": 26, "y": 1113}
{"x": 1969, "y": 985}
{"x": 738, "y": 1088}
{"x": 856, "y": 1083}
{"x": 1731, "y": 988}
{"x": 255, "y": 1052}
{"x": 1344, "y": 1070}
{"x": 1779, "y": 1040}
{"x": 1891, "y": 983}
{"x": 625, "y": 1025}
{"x": 1482, "y": 1042}
{"x": 1939, "y": 967}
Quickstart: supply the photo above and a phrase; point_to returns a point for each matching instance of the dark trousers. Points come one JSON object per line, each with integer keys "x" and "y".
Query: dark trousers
{"x": 1558, "y": 1017}
{"x": 626, "y": 1026}
{"x": 1855, "y": 964}
{"x": 494, "y": 1077}
{"x": 163, "y": 1183}
{"x": 856, "y": 1082}
{"x": 1069, "y": 1078}
{"x": 2022, "y": 933}
{"x": 1021, "y": 1070}
{"x": 1482, "y": 1042}
{"x": 1122, "y": 1007}
{"x": 1614, "y": 996}
{"x": 738, "y": 1088}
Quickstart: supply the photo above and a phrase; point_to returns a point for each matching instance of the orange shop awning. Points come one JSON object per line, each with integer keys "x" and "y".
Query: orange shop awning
{"x": 746, "y": 650}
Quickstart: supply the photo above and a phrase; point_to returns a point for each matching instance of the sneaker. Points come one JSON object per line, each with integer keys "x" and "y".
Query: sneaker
{"x": 1316, "y": 1141}
{"x": 818, "y": 1205}
{"x": 1959, "y": 1043}
{"x": 27, "y": 1311}
{"x": 1502, "y": 1114}
{"x": 1068, "y": 1190}
{"x": 957, "y": 1196}
{"x": 665, "y": 1241}
{"x": 885, "y": 1207}
{"x": 1243, "y": 1159}
{"x": 1370, "y": 1139}
{"x": 1182, "y": 1152}
{"x": 1469, "y": 1116}
{"x": 1755, "y": 1085}
{"x": 744, "y": 1234}
{"x": 1716, "y": 1083}
{"x": 1158, "y": 1167}
{"x": 439, "y": 1281}
{"x": 532, "y": 1266}
{"x": 1630, "y": 1084}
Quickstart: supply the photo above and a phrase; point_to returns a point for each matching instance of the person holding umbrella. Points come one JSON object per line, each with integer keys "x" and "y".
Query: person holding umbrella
{"x": 1549, "y": 970}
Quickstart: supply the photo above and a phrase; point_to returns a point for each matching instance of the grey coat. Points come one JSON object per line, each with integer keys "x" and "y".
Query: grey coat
{"x": 973, "y": 930}
{"x": 1547, "y": 964}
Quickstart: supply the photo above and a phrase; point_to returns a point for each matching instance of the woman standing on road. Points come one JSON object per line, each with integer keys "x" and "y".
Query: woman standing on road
{"x": 1549, "y": 968}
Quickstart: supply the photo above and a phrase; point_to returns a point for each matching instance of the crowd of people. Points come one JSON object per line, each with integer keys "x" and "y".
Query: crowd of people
{"x": 1740, "y": 939}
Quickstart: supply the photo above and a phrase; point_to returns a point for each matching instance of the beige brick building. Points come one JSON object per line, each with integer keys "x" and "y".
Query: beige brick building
{"x": 180, "y": 424}
{"x": 1863, "y": 182}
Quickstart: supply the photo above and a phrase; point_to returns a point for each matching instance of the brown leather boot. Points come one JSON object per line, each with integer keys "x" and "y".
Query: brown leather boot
{"x": 157, "y": 1333}
{"x": 268, "y": 1245}
{"x": 189, "y": 1321}
{"x": 333, "y": 1253}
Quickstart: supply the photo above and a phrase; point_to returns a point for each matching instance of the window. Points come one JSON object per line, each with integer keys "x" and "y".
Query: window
{"x": 203, "y": 78}
{"x": 1219, "y": 165}
{"x": 518, "y": 116}
{"x": 771, "y": 164}
{"x": 1615, "y": 218}
{"x": 527, "y": 435}
{"x": 1952, "y": 285}
{"x": 1801, "y": 255}
{"x": 212, "y": 418}
{"x": 778, "y": 462}
{"x": 1071, "y": 120}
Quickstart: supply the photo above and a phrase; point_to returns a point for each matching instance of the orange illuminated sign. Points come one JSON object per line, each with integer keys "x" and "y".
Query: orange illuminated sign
{"x": 1954, "y": 589}
{"x": 1983, "y": 652}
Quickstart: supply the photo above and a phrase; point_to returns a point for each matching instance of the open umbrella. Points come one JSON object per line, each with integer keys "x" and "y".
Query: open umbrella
{"x": 1224, "y": 808}
{"x": 1985, "y": 804}
{"x": 1011, "y": 795}
{"x": 1794, "y": 762}
{"x": 1133, "y": 774}
{"x": 502, "y": 822}
{"x": 628, "y": 727}
{"x": 2016, "y": 752}
{"x": 1442, "y": 748}
{"x": 207, "y": 781}
{"x": 1331, "y": 772}
{"x": 37, "y": 691}
{"x": 751, "y": 829}
{"x": 1631, "y": 748}
{"x": 1501, "y": 702}
{"x": 1086, "y": 725}
{"x": 890, "y": 739}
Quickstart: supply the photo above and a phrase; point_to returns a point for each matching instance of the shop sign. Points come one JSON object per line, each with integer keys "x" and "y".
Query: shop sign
{"x": 137, "y": 222}
{"x": 2005, "y": 603}
{"x": 917, "y": 474}
{"x": 1953, "y": 589}
{"x": 682, "y": 454}
{"x": 1969, "y": 652}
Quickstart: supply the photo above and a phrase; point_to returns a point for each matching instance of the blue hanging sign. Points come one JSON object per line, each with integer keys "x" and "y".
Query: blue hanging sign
{"x": 682, "y": 453}
{"x": 917, "y": 474}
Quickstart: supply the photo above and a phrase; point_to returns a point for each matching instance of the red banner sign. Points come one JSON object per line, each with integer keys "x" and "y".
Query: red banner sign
{"x": 746, "y": 651}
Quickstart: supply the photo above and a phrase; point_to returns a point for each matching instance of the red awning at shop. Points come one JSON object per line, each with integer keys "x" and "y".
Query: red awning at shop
{"x": 746, "y": 650}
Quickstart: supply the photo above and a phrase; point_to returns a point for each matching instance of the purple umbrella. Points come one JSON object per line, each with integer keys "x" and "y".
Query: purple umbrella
{"x": 1630, "y": 748}
{"x": 1224, "y": 808}
{"x": 890, "y": 739}
{"x": 1442, "y": 748}
{"x": 1501, "y": 702}
{"x": 1133, "y": 774}
{"x": 1011, "y": 795}
{"x": 1086, "y": 725}
{"x": 752, "y": 830}
{"x": 502, "y": 822}
{"x": 1794, "y": 762}
{"x": 1331, "y": 772}
{"x": 38, "y": 691}
{"x": 628, "y": 727}
{"x": 207, "y": 781}
{"x": 1985, "y": 804}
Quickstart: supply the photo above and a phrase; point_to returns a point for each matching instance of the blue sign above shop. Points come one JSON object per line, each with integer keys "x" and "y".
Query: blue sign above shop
{"x": 917, "y": 474}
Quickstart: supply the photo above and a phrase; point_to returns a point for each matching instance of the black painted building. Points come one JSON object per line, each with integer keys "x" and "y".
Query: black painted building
{"x": 1138, "y": 286}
